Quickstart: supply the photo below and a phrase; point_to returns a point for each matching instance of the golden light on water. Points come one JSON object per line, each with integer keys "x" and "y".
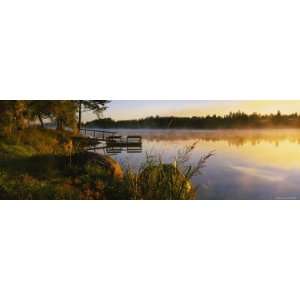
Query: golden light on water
{"x": 267, "y": 148}
{"x": 248, "y": 164}
{"x": 285, "y": 155}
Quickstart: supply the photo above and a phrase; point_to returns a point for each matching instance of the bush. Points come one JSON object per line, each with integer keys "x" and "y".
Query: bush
{"x": 44, "y": 141}
{"x": 157, "y": 180}
{"x": 164, "y": 181}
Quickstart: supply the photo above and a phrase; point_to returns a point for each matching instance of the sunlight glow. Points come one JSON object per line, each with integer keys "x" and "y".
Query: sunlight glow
{"x": 135, "y": 109}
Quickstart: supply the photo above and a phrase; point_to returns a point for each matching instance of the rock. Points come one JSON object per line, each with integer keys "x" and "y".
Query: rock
{"x": 112, "y": 165}
{"x": 108, "y": 163}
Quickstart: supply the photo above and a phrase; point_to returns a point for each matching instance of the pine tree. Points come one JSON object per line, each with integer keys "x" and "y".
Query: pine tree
{"x": 96, "y": 106}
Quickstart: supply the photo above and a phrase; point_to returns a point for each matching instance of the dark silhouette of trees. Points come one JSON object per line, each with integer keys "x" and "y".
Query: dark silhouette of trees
{"x": 42, "y": 110}
{"x": 231, "y": 120}
{"x": 18, "y": 114}
{"x": 96, "y": 106}
{"x": 64, "y": 113}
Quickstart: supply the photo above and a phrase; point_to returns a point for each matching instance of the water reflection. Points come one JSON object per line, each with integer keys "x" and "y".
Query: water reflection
{"x": 232, "y": 137}
{"x": 118, "y": 149}
{"x": 249, "y": 164}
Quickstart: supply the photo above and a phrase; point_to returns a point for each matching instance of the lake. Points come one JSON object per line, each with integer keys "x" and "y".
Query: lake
{"x": 248, "y": 164}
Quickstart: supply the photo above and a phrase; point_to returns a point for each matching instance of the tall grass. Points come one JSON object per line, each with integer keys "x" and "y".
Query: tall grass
{"x": 42, "y": 164}
{"x": 157, "y": 180}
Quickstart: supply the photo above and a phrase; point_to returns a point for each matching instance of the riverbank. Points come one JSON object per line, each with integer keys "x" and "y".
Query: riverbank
{"x": 46, "y": 164}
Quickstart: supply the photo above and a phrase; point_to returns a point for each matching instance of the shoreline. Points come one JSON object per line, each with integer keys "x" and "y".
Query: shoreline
{"x": 195, "y": 129}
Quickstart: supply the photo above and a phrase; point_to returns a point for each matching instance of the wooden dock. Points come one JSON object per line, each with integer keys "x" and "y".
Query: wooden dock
{"x": 113, "y": 143}
{"x": 120, "y": 141}
{"x": 95, "y": 133}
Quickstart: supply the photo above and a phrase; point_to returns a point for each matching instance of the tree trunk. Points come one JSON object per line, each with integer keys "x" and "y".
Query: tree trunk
{"x": 41, "y": 121}
{"x": 79, "y": 116}
{"x": 59, "y": 124}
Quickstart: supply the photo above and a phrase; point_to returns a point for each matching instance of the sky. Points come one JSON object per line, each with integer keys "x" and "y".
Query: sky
{"x": 134, "y": 109}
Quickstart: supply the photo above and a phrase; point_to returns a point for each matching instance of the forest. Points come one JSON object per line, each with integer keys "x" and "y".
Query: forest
{"x": 17, "y": 115}
{"x": 232, "y": 120}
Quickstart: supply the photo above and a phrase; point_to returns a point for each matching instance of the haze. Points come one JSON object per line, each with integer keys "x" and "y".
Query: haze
{"x": 134, "y": 109}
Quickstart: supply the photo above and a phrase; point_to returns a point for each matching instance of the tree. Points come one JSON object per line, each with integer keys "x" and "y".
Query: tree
{"x": 64, "y": 113}
{"x": 14, "y": 115}
{"x": 41, "y": 110}
{"x": 6, "y": 117}
{"x": 96, "y": 106}
{"x": 17, "y": 114}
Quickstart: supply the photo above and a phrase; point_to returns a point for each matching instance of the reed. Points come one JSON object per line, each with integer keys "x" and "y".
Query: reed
{"x": 156, "y": 180}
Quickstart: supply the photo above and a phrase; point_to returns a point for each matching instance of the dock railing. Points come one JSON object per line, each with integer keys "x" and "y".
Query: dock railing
{"x": 114, "y": 143}
{"x": 97, "y": 133}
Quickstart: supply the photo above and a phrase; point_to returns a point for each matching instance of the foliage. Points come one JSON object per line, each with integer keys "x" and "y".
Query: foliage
{"x": 17, "y": 115}
{"x": 49, "y": 177}
{"x": 63, "y": 112}
{"x": 8, "y": 149}
{"x": 36, "y": 141}
{"x": 96, "y": 106}
{"x": 14, "y": 116}
{"x": 157, "y": 180}
{"x": 232, "y": 120}
{"x": 26, "y": 173}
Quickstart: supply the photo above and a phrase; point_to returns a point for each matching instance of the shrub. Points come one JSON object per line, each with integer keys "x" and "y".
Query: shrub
{"x": 157, "y": 180}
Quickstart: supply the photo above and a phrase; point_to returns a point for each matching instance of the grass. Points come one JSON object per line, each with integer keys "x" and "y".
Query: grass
{"x": 157, "y": 180}
{"x": 46, "y": 164}
{"x": 35, "y": 164}
{"x": 52, "y": 177}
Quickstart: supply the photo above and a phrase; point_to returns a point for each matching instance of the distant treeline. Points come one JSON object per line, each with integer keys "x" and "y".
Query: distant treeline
{"x": 232, "y": 120}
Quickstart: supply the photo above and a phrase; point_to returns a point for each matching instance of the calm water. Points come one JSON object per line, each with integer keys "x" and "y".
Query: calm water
{"x": 248, "y": 164}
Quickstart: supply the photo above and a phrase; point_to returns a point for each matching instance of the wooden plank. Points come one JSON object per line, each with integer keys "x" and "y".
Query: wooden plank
{"x": 122, "y": 144}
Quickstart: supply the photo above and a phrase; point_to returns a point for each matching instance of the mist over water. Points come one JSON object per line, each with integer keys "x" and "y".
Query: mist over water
{"x": 248, "y": 164}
